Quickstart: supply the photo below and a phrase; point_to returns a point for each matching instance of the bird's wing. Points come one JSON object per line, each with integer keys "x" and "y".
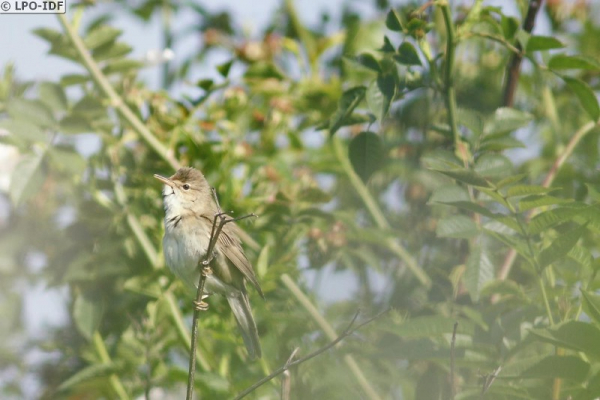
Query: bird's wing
{"x": 229, "y": 245}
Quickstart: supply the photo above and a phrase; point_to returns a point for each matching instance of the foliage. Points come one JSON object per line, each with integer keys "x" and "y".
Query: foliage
{"x": 380, "y": 158}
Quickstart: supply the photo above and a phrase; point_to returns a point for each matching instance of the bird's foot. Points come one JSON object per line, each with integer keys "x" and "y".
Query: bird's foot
{"x": 200, "y": 305}
{"x": 207, "y": 271}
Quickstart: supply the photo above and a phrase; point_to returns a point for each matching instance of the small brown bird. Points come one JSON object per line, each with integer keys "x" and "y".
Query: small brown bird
{"x": 189, "y": 213}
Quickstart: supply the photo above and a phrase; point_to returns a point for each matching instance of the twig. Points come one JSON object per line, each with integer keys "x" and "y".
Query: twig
{"x": 489, "y": 379}
{"x": 116, "y": 101}
{"x": 452, "y": 357}
{"x": 286, "y": 384}
{"x": 347, "y": 332}
{"x": 510, "y": 257}
{"x": 514, "y": 68}
{"x": 205, "y": 272}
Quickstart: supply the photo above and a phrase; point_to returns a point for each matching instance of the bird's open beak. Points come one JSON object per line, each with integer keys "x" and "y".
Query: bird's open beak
{"x": 164, "y": 180}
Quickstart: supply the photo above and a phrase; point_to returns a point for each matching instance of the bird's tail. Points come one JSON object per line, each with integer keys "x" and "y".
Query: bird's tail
{"x": 243, "y": 315}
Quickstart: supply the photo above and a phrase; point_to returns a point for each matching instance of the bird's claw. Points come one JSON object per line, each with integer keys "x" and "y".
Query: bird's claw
{"x": 200, "y": 305}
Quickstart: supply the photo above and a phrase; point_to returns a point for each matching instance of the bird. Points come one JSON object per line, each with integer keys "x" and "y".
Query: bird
{"x": 190, "y": 210}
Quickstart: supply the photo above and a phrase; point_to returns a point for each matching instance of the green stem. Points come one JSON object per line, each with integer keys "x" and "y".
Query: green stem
{"x": 449, "y": 93}
{"x": 114, "y": 380}
{"x": 115, "y": 100}
{"x": 545, "y": 297}
{"x": 331, "y": 334}
{"x": 376, "y": 213}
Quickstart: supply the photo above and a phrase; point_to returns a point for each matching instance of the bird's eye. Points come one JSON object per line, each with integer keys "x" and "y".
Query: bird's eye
{"x": 186, "y": 187}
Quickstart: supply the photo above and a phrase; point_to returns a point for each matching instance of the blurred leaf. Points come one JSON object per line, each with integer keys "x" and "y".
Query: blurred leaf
{"x": 466, "y": 176}
{"x": 573, "y": 335}
{"x": 449, "y": 194}
{"x": 456, "y": 226}
{"x": 23, "y": 129}
{"x": 561, "y": 246}
{"x": 535, "y": 201}
{"x": 367, "y": 60}
{"x": 561, "y": 61}
{"x": 121, "y": 65}
{"x": 591, "y": 305}
{"x": 527, "y": 190}
{"x": 507, "y": 120}
{"x": 102, "y": 35}
{"x": 510, "y": 26}
{"x": 586, "y": 96}
{"x": 540, "y": 43}
{"x": 387, "y": 46}
{"x": 407, "y": 54}
{"x": 27, "y": 178}
{"x": 67, "y": 160}
{"x": 550, "y": 218}
{"x": 111, "y": 50}
{"x": 88, "y": 373}
{"x": 53, "y": 96}
{"x": 346, "y": 105}
{"x": 493, "y": 166}
{"x": 430, "y": 326}
{"x": 480, "y": 271}
{"x": 314, "y": 195}
{"x": 392, "y": 21}
{"x": 87, "y": 314}
{"x": 366, "y": 154}
{"x": 470, "y": 206}
{"x": 380, "y": 94}
{"x": 565, "y": 367}
{"x": 33, "y": 111}
{"x": 225, "y": 68}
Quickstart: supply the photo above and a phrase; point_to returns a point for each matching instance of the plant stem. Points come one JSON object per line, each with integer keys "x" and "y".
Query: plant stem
{"x": 377, "y": 214}
{"x": 115, "y": 100}
{"x": 102, "y": 352}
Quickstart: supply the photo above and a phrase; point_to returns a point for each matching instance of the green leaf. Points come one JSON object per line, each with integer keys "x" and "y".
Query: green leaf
{"x": 586, "y": 96}
{"x": 121, "y": 65}
{"x": 573, "y": 335}
{"x": 387, "y": 46}
{"x": 466, "y": 176}
{"x": 369, "y": 61}
{"x": 50, "y": 35}
{"x": 540, "y": 43}
{"x": 366, "y": 154}
{"x": 449, "y": 194}
{"x": 561, "y": 246}
{"x": 88, "y": 373}
{"x": 33, "y": 111}
{"x": 440, "y": 160}
{"x": 535, "y": 201}
{"x": 510, "y": 26}
{"x": 380, "y": 94}
{"x": 561, "y": 61}
{"x": 515, "y": 242}
{"x": 550, "y": 218}
{"x": 457, "y": 226}
{"x": 392, "y": 21}
{"x": 314, "y": 195}
{"x": 27, "y": 178}
{"x": 591, "y": 305}
{"x": 499, "y": 144}
{"x": 510, "y": 180}
{"x": 493, "y": 166}
{"x": 407, "y": 54}
{"x": 100, "y": 36}
{"x": 225, "y": 68}
{"x": 479, "y": 271}
{"x": 111, "y": 50}
{"x": 23, "y": 129}
{"x": 471, "y": 119}
{"x": 74, "y": 79}
{"x": 346, "y": 105}
{"x": 53, "y": 96}
{"x": 565, "y": 367}
{"x": 470, "y": 206}
{"x": 74, "y": 124}
{"x": 87, "y": 313}
{"x": 67, "y": 160}
{"x": 527, "y": 190}
{"x": 507, "y": 120}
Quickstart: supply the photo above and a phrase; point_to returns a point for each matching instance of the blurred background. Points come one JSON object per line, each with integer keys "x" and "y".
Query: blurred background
{"x": 258, "y": 96}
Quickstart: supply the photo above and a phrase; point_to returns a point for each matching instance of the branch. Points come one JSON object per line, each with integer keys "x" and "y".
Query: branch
{"x": 558, "y": 163}
{"x": 199, "y": 305}
{"x": 330, "y": 332}
{"x": 115, "y": 100}
{"x": 452, "y": 357}
{"x": 347, "y": 332}
{"x": 514, "y": 68}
